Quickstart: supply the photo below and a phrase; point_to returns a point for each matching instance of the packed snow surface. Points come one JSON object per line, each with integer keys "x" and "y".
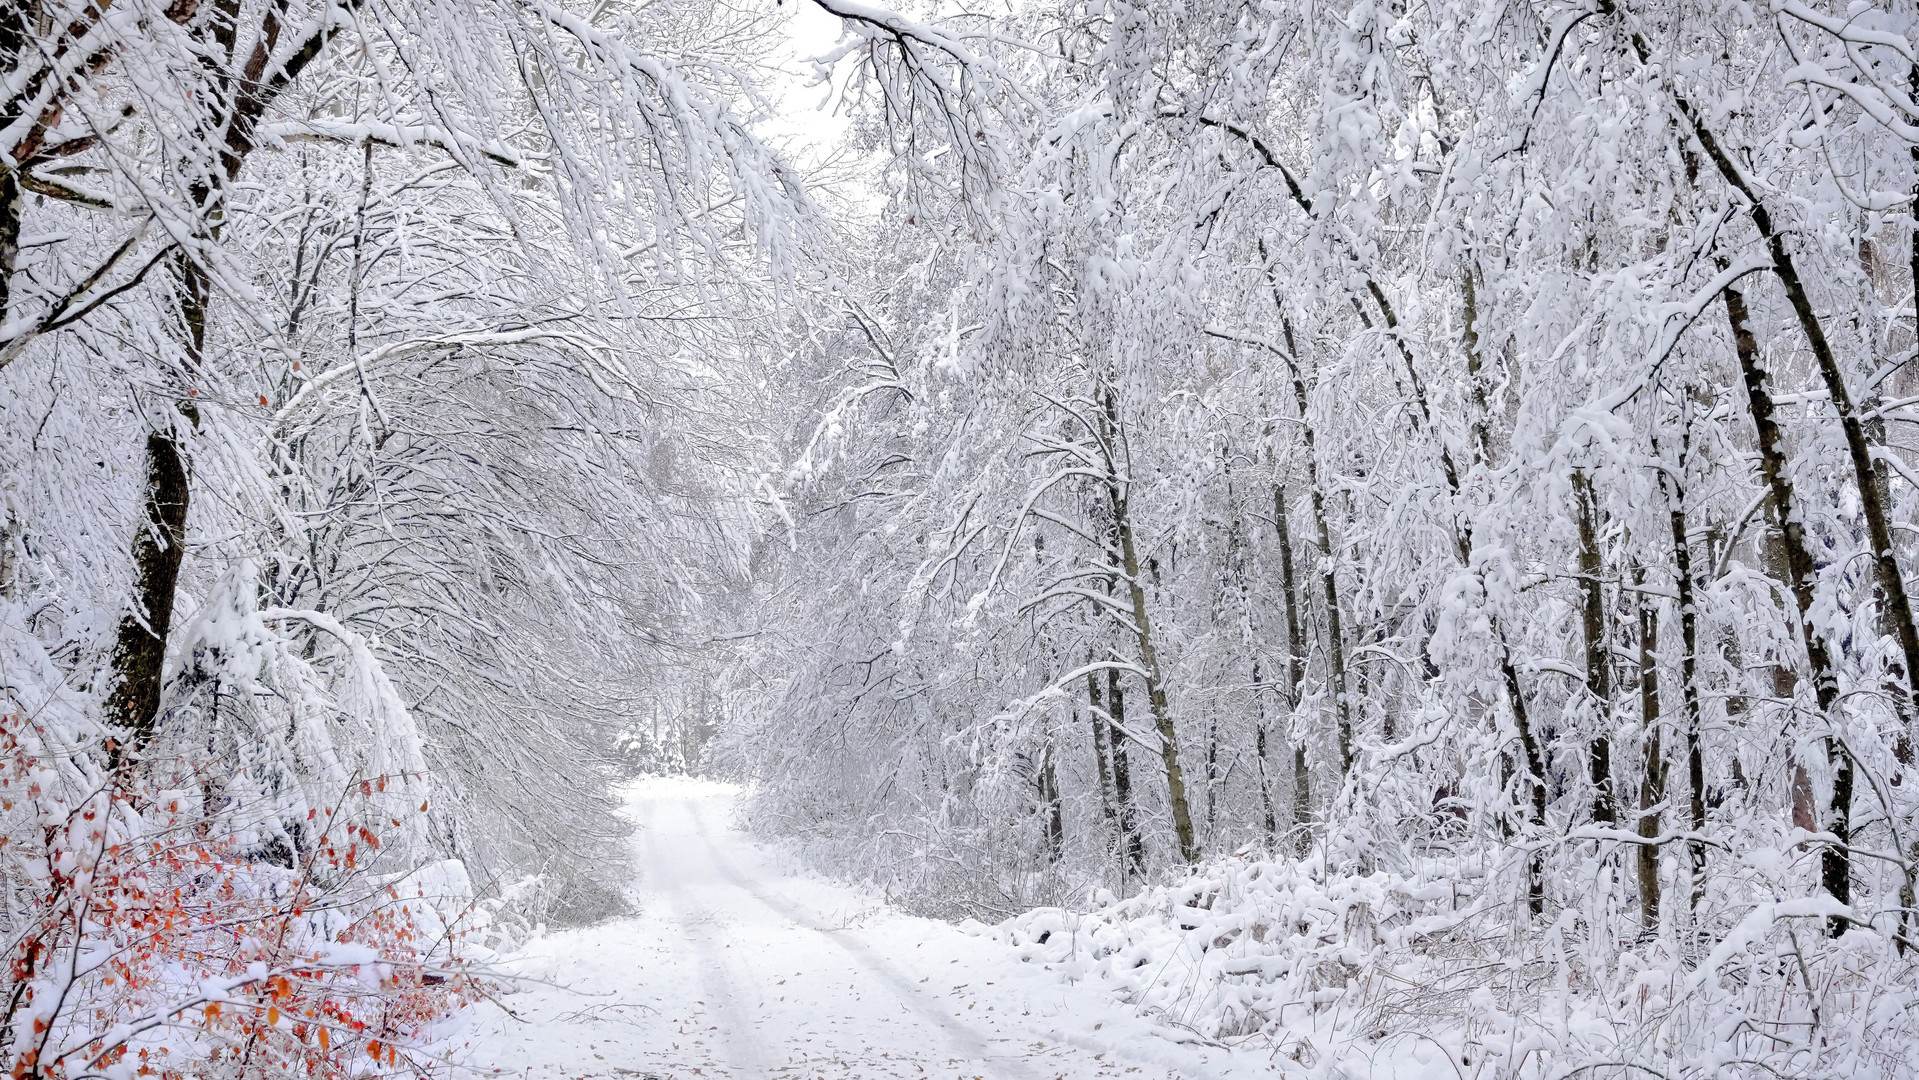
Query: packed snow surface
{"x": 738, "y": 965}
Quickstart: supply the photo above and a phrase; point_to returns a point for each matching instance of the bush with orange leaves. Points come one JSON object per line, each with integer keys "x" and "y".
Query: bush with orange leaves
{"x": 153, "y": 933}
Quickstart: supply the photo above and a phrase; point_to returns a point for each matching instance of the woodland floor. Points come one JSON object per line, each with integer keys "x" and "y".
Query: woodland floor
{"x": 739, "y": 966}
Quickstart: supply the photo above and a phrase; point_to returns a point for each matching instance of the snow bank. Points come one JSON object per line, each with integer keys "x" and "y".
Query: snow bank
{"x": 1388, "y": 975}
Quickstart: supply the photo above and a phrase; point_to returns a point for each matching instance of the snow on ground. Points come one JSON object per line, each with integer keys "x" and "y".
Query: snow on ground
{"x": 737, "y": 966}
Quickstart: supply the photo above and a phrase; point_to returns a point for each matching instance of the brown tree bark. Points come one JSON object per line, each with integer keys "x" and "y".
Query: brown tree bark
{"x": 139, "y": 653}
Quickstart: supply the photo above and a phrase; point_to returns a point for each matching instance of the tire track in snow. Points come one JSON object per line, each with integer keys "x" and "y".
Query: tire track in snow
{"x": 967, "y": 1042}
{"x": 745, "y": 1055}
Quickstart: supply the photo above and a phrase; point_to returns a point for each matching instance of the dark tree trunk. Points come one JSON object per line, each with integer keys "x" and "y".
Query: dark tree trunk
{"x": 1132, "y": 849}
{"x": 1675, "y": 494}
{"x": 1652, "y": 779}
{"x": 1271, "y": 820}
{"x": 1127, "y": 563}
{"x": 139, "y": 653}
{"x": 1050, "y": 806}
{"x": 234, "y": 108}
{"x": 1835, "y": 861}
{"x": 1295, "y": 664}
{"x": 1598, "y": 660}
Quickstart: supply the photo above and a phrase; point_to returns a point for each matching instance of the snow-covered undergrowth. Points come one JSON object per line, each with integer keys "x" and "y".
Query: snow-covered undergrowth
{"x": 1385, "y": 974}
{"x": 273, "y": 912}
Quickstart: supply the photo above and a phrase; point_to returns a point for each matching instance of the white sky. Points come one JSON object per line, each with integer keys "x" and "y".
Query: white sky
{"x": 809, "y": 130}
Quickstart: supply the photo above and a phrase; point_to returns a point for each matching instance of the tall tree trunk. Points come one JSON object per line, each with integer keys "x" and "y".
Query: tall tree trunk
{"x": 1103, "y": 760}
{"x": 1329, "y": 583}
{"x": 1481, "y": 446}
{"x": 1132, "y": 850}
{"x": 1909, "y": 738}
{"x": 1598, "y": 658}
{"x": 139, "y": 653}
{"x": 1675, "y": 493}
{"x": 1835, "y": 860}
{"x": 1051, "y": 807}
{"x": 1120, "y": 501}
{"x": 1652, "y": 777}
{"x": 1295, "y": 661}
{"x": 234, "y": 108}
{"x": 1156, "y": 697}
{"x": 1896, "y": 604}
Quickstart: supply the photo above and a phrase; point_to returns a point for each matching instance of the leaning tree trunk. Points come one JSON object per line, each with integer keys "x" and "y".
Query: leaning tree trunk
{"x": 1119, "y": 501}
{"x": 1835, "y": 861}
{"x": 1156, "y": 691}
{"x": 1329, "y": 583}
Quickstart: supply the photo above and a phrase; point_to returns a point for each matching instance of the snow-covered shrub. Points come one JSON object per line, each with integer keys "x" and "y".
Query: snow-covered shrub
{"x": 1398, "y": 974}
{"x": 151, "y": 932}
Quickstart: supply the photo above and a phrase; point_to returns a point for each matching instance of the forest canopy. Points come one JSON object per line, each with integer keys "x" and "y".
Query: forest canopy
{"x": 1438, "y": 460}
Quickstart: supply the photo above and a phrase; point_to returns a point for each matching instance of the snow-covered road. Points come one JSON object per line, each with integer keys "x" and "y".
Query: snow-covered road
{"x": 736, "y": 966}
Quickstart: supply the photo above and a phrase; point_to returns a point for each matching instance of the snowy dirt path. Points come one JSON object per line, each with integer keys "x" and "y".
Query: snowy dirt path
{"x": 736, "y": 967}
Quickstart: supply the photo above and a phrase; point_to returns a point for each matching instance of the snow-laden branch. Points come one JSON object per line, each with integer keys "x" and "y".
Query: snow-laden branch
{"x": 320, "y": 129}
{"x": 1847, "y": 30}
{"x": 401, "y": 349}
{"x": 1025, "y": 511}
{"x": 871, "y": 20}
{"x": 1678, "y": 317}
